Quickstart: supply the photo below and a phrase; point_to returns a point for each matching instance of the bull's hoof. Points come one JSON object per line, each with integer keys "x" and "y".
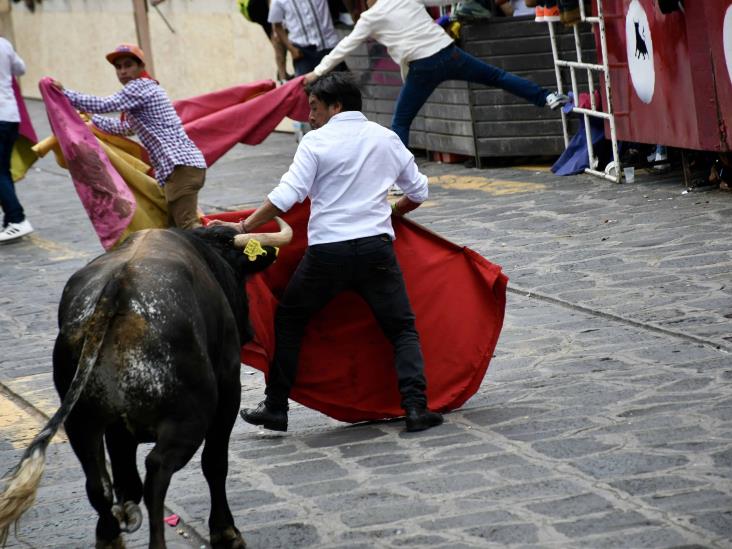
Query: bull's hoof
{"x": 116, "y": 543}
{"x": 128, "y": 515}
{"x": 230, "y": 538}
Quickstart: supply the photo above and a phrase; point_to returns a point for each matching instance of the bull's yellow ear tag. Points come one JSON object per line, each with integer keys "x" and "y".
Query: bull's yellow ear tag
{"x": 254, "y": 249}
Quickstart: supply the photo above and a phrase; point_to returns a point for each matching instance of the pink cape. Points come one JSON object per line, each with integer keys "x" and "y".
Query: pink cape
{"x": 346, "y": 367}
{"x": 108, "y": 201}
{"x": 26, "y": 127}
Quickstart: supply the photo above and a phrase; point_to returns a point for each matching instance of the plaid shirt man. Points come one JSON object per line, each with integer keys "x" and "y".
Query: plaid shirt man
{"x": 150, "y": 115}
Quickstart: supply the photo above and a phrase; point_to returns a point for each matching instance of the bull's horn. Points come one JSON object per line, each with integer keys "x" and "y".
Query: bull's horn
{"x": 281, "y": 238}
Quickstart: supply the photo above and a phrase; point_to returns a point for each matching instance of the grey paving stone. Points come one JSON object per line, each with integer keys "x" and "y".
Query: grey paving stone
{"x": 385, "y": 514}
{"x": 309, "y": 471}
{"x": 570, "y": 447}
{"x": 584, "y": 504}
{"x": 283, "y": 536}
{"x": 519, "y": 533}
{"x": 615, "y": 520}
{"x": 628, "y": 464}
{"x": 655, "y": 484}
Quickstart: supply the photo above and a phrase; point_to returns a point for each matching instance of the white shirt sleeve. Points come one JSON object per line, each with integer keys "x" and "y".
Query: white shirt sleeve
{"x": 411, "y": 180}
{"x": 276, "y": 12}
{"x": 295, "y": 185}
{"x": 360, "y": 32}
{"x": 17, "y": 66}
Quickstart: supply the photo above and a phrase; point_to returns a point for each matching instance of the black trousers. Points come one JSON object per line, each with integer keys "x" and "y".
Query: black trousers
{"x": 369, "y": 267}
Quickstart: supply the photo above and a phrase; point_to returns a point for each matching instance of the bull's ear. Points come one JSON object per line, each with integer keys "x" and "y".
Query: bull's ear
{"x": 253, "y": 263}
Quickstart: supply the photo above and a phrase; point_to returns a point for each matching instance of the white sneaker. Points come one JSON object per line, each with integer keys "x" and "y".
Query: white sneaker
{"x": 15, "y": 230}
{"x": 556, "y": 99}
{"x": 394, "y": 190}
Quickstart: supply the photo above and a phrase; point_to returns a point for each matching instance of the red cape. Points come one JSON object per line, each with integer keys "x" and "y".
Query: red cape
{"x": 242, "y": 114}
{"x": 346, "y": 365}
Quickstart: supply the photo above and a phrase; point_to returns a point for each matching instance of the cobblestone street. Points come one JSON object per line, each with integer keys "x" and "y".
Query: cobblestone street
{"x": 605, "y": 418}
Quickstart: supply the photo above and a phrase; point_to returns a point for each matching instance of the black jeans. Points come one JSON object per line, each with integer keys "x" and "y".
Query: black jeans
{"x": 311, "y": 57}
{"x": 369, "y": 267}
{"x": 8, "y": 199}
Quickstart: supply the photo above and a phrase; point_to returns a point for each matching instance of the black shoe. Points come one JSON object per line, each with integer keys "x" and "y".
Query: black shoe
{"x": 419, "y": 419}
{"x": 275, "y": 420}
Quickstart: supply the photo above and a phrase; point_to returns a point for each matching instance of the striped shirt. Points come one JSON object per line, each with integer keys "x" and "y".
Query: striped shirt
{"x": 150, "y": 115}
{"x": 308, "y": 22}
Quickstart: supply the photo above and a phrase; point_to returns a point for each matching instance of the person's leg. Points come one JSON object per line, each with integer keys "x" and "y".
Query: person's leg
{"x": 380, "y": 282}
{"x": 471, "y": 69}
{"x": 181, "y": 193}
{"x": 12, "y": 210}
{"x": 420, "y": 83}
{"x": 320, "y": 276}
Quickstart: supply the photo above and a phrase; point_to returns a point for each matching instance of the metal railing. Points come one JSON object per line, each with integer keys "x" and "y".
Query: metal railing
{"x": 613, "y": 170}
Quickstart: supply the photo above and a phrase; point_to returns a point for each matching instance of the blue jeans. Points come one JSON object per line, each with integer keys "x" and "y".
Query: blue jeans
{"x": 367, "y": 266}
{"x": 452, "y": 63}
{"x": 12, "y": 210}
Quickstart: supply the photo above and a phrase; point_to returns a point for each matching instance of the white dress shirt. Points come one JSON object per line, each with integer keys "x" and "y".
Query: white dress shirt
{"x": 346, "y": 168}
{"x": 520, "y": 8}
{"x": 403, "y": 26}
{"x": 308, "y": 22}
{"x": 10, "y": 65}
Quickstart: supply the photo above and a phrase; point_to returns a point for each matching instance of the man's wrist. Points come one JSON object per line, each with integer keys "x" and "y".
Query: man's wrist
{"x": 242, "y": 227}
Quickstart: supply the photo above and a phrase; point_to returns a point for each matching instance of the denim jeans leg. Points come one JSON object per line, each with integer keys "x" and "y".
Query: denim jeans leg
{"x": 380, "y": 282}
{"x": 414, "y": 93}
{"x": 12, "y": 210}
{"x": 470, "y": 69}
{"x": 315, "y": 282}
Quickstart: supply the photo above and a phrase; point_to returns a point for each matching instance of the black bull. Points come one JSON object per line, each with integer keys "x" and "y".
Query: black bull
{"x": 148, "y": 351}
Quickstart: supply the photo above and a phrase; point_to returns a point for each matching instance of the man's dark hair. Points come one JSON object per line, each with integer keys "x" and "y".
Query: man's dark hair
{"x": 337, "y": 87}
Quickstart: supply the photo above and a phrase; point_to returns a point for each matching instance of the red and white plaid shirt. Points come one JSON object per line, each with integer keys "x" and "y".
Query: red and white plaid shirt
{"x": 150, "y": 115}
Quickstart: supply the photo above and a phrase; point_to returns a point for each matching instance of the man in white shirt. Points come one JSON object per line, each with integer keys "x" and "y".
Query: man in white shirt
{"x": 427, "y": 57}
{"x": 310, "y": 34}
{"x": 345, "y": 166}
{"x": 15, "y": 224}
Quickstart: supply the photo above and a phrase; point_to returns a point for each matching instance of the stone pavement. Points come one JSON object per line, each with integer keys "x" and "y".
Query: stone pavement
{"x": 605, "y": 419}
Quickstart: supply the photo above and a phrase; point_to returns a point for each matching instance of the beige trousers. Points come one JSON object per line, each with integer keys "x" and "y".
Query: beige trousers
{"x": 181, "y": 194}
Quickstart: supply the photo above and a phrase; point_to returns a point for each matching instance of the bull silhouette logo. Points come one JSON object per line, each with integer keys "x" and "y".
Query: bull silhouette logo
{"x": 640, "y": 43}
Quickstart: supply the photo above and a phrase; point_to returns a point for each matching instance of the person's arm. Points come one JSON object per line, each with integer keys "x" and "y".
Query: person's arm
{"x": 282, "y": 35}
{"x": 17, "y": 65}
{"x": 360, "y": 32}
{"x": 505, "y": 6}
{"x": 412, "y": 182}
{"x": 126, "y": 99}
{"x": 114, "y": 126}
{"x": 266, "y": 212}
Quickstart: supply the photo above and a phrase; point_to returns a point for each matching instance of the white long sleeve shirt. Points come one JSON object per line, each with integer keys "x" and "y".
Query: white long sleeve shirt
{"x": 346, "y": 168}
{"x": 403, "y": 26}
{"x": 10, "y": 65}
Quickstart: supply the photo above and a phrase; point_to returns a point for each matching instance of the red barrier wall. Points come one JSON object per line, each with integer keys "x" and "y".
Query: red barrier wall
{"x": 670, "y": 81}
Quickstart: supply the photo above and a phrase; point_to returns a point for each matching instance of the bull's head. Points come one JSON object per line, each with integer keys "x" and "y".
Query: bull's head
{"x": 246, "y": 253}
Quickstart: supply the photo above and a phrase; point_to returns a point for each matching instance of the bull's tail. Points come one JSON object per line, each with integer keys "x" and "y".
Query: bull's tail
{"x": 21, "y": 483}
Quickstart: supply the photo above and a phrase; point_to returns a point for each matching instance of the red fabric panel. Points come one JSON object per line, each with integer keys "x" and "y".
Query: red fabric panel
{"x": 202, "y": 105}
{"x": 230, "y": 121}
{"x": 346, "y": 364}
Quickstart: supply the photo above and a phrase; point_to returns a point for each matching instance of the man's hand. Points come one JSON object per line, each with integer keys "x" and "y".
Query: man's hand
{"x": 238, "y": 227}
{"x": 309, "y": 78}
{"x": 58, "y": 85}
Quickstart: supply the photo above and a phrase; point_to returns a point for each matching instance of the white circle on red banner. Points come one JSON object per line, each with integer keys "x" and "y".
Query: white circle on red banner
{"x": 639, "y": 46}
{"x": 727, "y": 40}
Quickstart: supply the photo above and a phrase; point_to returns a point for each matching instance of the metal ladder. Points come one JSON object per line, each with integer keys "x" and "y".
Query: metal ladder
{"x": 612, "y": 171}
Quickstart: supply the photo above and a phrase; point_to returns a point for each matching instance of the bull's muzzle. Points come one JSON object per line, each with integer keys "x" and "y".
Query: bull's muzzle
{"x": 280, "y": 238}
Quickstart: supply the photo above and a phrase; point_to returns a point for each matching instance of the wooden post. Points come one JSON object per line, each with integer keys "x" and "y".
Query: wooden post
{"x": 142, "y": 26}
